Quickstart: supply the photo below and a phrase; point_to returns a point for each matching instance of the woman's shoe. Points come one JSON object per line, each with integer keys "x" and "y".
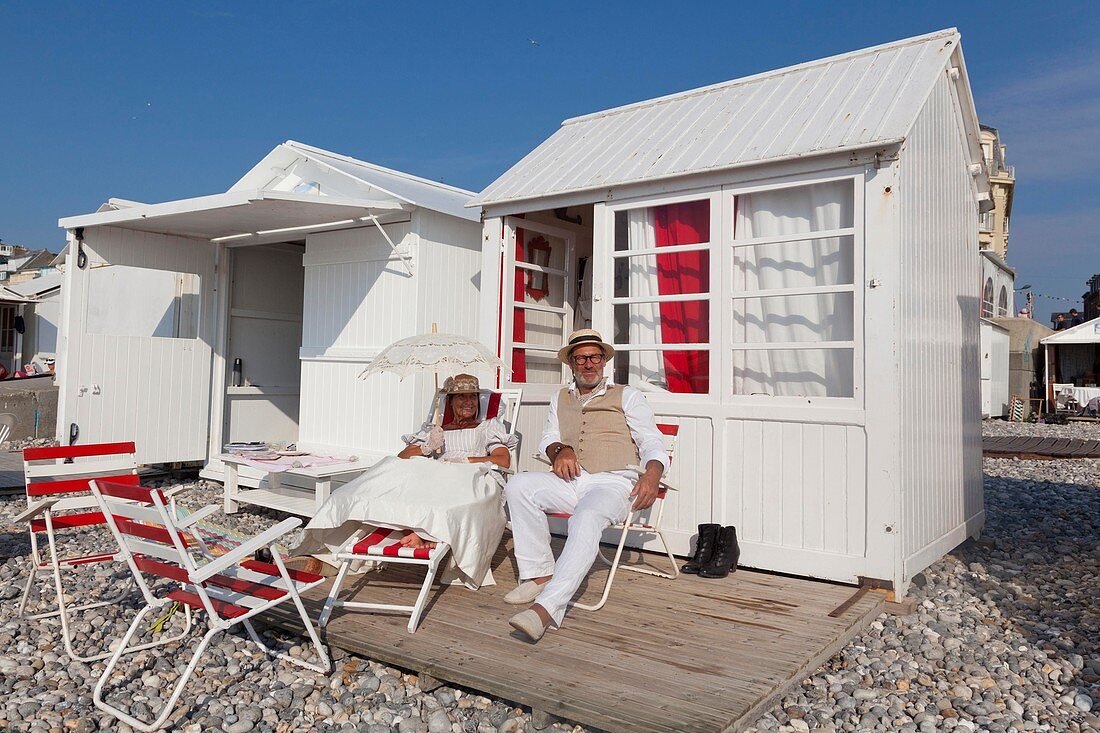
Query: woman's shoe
{"x": 704, "y": 548}
{"x": 310, "y": 564}
{"x": 725, "y": 557}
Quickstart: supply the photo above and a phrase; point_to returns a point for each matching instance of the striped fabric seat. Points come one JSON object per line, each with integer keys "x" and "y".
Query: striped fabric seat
{"x": 385, "y": 542}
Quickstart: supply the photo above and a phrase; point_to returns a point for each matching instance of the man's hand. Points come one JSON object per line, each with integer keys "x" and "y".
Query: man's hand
{"x": 645, "y": 491}
{"x": 566, "y": 465}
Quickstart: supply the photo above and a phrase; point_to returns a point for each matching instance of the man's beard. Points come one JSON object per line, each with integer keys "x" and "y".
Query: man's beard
{"x": 595, "y": 381}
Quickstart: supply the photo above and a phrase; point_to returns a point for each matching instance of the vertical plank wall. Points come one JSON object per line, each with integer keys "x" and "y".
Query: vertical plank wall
{"x": 154, "y": 391}
{"x": 938, "y": 337}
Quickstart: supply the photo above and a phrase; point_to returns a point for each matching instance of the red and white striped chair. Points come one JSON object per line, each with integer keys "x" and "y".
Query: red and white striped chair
{"x": 229, "y": 589}
{"x": 381, "y": 546}
{"x": 60, "y": 500}
{"x": 647, "y": 521}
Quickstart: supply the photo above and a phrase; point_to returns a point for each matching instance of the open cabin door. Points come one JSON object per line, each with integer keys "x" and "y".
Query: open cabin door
{"x": 539, "y": 293}
{"x": 134, "y": 357}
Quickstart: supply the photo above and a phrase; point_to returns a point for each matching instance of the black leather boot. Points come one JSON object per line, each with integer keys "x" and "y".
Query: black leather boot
{"x": 725, "y": 556}
{"x": 704, "y": 548}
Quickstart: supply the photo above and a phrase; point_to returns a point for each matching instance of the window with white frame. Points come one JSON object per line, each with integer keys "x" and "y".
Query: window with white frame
{"x": 987, "y": 299}
{"x": 793, "y": 307}
{"x": 661, "y": 307}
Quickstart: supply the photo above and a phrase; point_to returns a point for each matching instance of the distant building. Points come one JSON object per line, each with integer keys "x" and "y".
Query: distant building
{"x": 19, "y": 264}
{"x": 993, "y": 225}
{"x": 1091, "y": 299}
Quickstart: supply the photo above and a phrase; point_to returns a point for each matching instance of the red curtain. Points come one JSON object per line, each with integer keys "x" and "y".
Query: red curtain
{"x": 679, "y": 273}
{"x": 519, "y": 317}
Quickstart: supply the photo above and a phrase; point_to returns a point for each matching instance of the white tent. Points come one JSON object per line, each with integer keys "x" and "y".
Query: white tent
{"x": 786, "y": 263}
{"x": 1073, "y": 363}
{"x": 246, "y": 315}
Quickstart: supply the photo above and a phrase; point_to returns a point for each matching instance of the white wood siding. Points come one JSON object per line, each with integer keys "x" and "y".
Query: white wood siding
{"x": 940, "y": 472}
{"x": 155, "y": 391}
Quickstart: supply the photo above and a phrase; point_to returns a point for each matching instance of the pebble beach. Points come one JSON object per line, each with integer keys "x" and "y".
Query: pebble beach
{"x": 1005, "y": 636}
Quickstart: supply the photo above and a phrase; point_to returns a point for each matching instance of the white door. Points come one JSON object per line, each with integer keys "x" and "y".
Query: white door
{"x": 263, "y": 380}
{"x": 134, "y": 355}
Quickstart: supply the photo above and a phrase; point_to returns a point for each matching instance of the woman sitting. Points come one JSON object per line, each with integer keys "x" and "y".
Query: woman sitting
{"x": 460, "y": 506}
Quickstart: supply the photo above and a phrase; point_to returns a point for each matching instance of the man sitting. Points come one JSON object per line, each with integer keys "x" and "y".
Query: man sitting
{"x": 594, "y": 430}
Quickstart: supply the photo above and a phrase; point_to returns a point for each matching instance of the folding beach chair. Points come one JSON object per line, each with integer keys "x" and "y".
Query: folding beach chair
{"x": 381, "y": 546}
{"x": 229, "y": 589}
{"x": 59, "y": 500}
{"x": 647, "y": 521}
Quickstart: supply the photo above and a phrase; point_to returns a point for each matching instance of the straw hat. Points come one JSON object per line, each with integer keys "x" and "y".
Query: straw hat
{"x": 461, "y": 384}
{"x": 585, "y": 337}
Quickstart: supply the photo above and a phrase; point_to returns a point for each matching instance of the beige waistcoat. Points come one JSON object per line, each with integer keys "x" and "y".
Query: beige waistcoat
{"x": 598, "y": 432}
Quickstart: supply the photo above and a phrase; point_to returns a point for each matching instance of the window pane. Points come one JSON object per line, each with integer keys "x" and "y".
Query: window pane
{"x": 540, "y": 249}
{"x": 169, "y": 302}
{"x": 686, "y": 322}
{"x": 678, "y": 273}
{"x": 663, "y": 226}
{"x": 796, "y": 210}
{"x": 794, "y": 372}
{"x": 807, "y": 263}
{"x": 682, "y": 372}
{"x": 530, "y": 367}
{"x": 538, "y": 327}
{"x": 798, "y": 318}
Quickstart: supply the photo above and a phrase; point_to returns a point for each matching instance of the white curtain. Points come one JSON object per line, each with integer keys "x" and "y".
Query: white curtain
{"x": 646, "y": 367}
{"x": 794, "y": 318}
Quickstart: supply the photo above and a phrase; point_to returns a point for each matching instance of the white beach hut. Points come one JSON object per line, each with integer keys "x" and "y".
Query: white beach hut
{"x": 247, "y": 315}
{"x": 1072, "y": 364}
{"x": 786, "y": 264}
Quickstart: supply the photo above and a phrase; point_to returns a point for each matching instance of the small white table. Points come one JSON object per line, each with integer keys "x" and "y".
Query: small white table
{"x": 1081, "y": 394}
{"x": 276, "y": 496}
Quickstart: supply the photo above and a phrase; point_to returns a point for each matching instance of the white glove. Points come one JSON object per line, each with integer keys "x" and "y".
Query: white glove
{"x": 454, "y": 457}
{"x": 434, "y": 441}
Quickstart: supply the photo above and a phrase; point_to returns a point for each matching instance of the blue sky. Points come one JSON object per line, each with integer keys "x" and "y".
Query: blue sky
{"x": 156, "y": 101}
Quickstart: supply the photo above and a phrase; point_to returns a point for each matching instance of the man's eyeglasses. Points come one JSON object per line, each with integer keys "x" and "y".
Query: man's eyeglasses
{"x": 583, "y": 359}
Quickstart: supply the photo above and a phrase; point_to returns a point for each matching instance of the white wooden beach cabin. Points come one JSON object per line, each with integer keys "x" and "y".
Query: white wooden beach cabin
{"x": 296, "y": 276}
{"x": 786, "y": 264}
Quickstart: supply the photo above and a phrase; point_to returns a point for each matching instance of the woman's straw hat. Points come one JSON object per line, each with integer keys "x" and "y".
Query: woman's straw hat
{"x": 461, "y": 384}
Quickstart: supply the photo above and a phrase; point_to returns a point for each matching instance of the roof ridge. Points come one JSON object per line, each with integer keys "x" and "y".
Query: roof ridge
{"x": 391, "y": 171}
{"x": 944, "y": 33}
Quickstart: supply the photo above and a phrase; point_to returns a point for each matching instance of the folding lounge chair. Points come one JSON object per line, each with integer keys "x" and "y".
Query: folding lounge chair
{"x": 229, "y": 589}
{"x": 59, "y": 500}
{"x": 382, "y": 545}
{"x": 647, "y": 522}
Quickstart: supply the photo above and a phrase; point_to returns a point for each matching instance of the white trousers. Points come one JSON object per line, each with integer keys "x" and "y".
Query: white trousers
{"x": 596, "y": 500}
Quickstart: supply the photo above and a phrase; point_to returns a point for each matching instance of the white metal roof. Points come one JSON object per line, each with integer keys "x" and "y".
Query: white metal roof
{"x": 235, "y": 213}
{"x": 36, "y": 286}
{"x": 1085, "y": 333}
{"x": 374, "y": 179}
{"x": 867, "y": 98}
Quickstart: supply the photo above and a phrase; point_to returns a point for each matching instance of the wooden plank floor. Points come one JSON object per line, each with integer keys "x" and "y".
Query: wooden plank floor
{"x": 663, "y": 655}
{"x": 1035, "y": 447}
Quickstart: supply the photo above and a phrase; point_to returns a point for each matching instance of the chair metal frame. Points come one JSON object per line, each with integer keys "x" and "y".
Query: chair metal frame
{"x": 380, "y": 546}
{"x": 635, "y": 522}
{"x": 58, "y": 499}
{"x": 230, "y": 589}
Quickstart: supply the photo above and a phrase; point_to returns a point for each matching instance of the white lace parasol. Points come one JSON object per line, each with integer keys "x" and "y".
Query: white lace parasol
{"x": 433, "y": 352}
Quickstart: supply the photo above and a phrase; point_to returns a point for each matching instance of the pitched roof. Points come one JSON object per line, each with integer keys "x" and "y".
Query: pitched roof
{"x": 858, "y": 100}
{"x": 1083, "y": 333}
{"x": 403, "y": 186}
{"x": 37, "y": 286}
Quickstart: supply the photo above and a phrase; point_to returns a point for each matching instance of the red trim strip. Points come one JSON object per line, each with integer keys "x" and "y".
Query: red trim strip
{"x": 168, "y": 570}
{"x": 76, "y": 485}
{"x": 559, "y": 515}
{"x": 68, "y": 521}
{"x": 394, "y": 550}
{"x": 86, "y": 559}
{"x": 78, "y": 451}
{"x": 225, "y": 610}
{"x": 130, "y": 493}
{"x": 155, "y": 532}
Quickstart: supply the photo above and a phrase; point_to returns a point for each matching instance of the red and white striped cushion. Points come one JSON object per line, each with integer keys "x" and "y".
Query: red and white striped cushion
{"x": 384, "y": 542}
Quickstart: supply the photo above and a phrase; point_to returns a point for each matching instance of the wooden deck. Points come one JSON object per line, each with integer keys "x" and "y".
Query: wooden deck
{"x": 663, "y": 655}
{"x": 1039, "y": 448}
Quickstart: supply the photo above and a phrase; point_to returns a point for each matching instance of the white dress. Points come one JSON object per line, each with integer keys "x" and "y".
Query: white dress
{"x": 457, "y": 503}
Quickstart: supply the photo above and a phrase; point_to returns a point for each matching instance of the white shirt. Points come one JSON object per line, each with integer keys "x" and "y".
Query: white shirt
{"x": 639, "y": 418}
